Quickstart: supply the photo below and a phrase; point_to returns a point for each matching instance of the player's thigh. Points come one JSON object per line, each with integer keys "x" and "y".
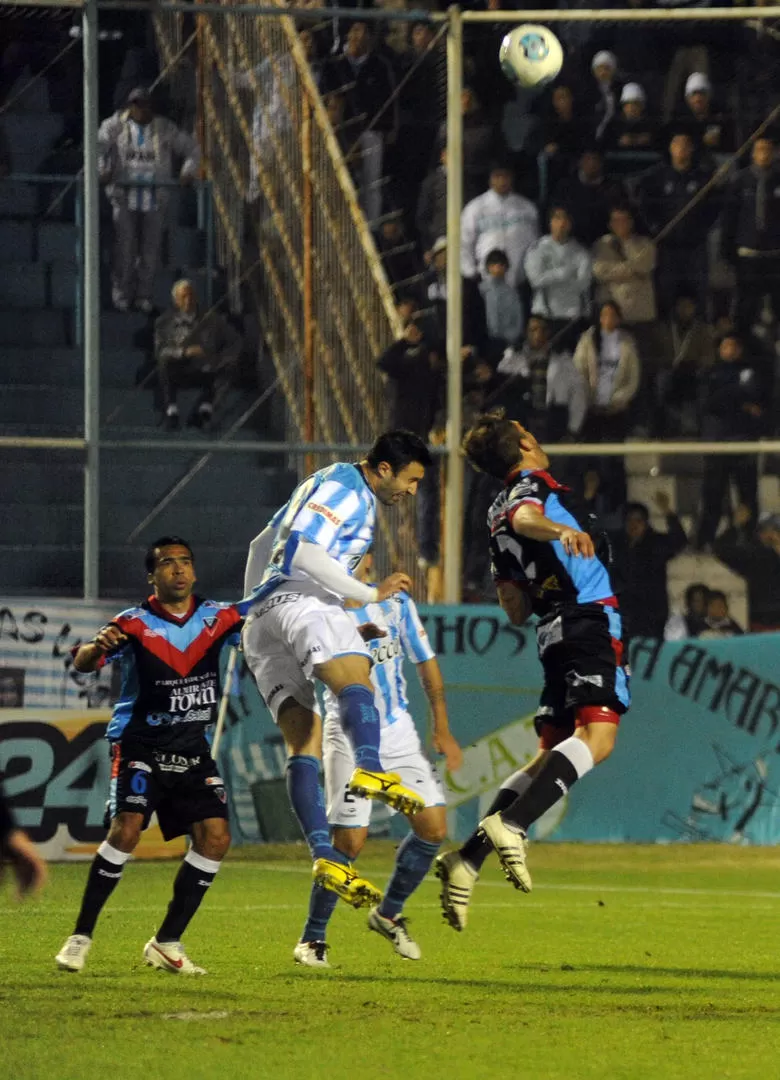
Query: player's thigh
{"x": 134, "y": 792}
{"x": 418, "y": 774}
{"x": 195, "y": 795}
{"x": 344, "y": 659}
{"x": 591, "y": 661}
{"x": 274, "y": 666}
{"x": 345, "y": 810}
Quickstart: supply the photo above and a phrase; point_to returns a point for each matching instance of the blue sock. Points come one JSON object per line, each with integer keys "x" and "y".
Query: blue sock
{"x": 322, "y": 904}
{"x": 308, "y": 801}
{"x": 412, "y": 862}
{"x": 360, "y": 720}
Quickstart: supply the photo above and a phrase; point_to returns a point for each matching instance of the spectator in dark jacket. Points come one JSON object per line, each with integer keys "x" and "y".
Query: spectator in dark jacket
{"x": 751, "y": 234}
{"x": 431, "y": 215}
{"x": 589, "y": 196}
{"x": 712, "y": 131}
{"x": 664, "y": 191}
{"x": 718, "y": 622}
{"x": 755, "y": 555}
{"x": 641, "y": 558}
{"x": 731, "y": 411}
{"x": 562, "y": 134}
{"x": 631, "y": 129}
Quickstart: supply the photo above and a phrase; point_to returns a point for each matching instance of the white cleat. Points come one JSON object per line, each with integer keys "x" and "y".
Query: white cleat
{"x": 509, "y": 842}
{"x": 170, "y": 956}
{"x": 73, "y": 954}
{"x": 397, "y": 933}
{"x": 458, "y": 879}
{"x": 311, "y": 954}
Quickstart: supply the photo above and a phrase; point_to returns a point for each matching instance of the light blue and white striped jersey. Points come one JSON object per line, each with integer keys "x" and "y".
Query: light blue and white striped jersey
{"x": 405, "y": 638}
{"x": 334, "y": 508}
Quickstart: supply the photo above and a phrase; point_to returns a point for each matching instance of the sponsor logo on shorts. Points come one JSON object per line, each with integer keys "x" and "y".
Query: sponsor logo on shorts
{"x": 175, "y": 763}
{"x": 140, "y": 766}
{"x": 221, "y": 794}
{"x": 276, "y": 601}
{"x": 274, "y": 691}
{"x": 214, "y": 781}
{"x": 136, "y": 800}
{"x": 324, "y": 511}
{"x": 575, "y": 679}
{"x": 310, "y": 652}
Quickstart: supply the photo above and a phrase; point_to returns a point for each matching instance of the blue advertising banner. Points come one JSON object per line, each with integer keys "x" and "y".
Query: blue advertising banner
{"x": 697, "y": 755}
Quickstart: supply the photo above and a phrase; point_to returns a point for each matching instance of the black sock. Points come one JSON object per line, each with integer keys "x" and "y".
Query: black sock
{"x": 104, "y": 875}
{"x": 551, "y": 783}
{"x": 195, "y": 876}
{"x": 476, "y": 849}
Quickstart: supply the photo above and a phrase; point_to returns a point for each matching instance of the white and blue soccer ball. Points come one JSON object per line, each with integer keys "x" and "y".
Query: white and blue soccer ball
{"x": 531, "y": 56}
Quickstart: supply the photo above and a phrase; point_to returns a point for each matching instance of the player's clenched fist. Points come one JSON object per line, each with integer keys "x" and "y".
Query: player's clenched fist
{"x": 577, "y": 543}
{"x": 110, "y": 637}
{"x": 393, "y": 584}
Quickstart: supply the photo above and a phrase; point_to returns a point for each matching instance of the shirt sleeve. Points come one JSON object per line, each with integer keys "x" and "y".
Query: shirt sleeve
{"x": 528, "y": 489}
{"x": 324, "y": 513}
{"x": 414, "y": 636}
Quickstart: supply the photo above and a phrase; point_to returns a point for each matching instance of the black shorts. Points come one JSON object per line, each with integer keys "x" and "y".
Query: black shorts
{"x": 181, "y": 788}
{"x": 581, "y": 650}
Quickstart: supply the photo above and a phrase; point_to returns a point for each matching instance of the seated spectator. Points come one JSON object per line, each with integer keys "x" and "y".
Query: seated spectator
{"x": 398, "y": 253}
{"x": 754, "y": 554}
{"x": 430, "y": 218}
{"x": 641, "y": 558}
{"x": 751, "y": 234}
{"x": 503, "y": 309}
{"x": 559, "y": 272}
{"x": 664, "y": 192}
{"x": 687, "y": 349}
{"x": 623, "y": 265}
{"x": 562, "y": 134}
{"x": 602, "y": 93}
{"x": 499, "y": 218}
{"x": 417, "y": 376}
{"x": 718, "y": 622}
{"x": 689, "y": 623}
{"x": 541, "y": 386}
{"x": 365, "y": 80}
{"x": 607, "y": 359}
{"x": 137, "y": 150}
{"x": 631, "y": 128}
{"x": 711, "y": 130}
{"x": 731, "y": 411}
{"x": 589, "y": 196}
{"x": 193, "y": 350}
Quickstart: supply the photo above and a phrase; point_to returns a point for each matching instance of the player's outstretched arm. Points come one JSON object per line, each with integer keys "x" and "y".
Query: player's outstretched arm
{"x": 444, "y": 742}
{"x": 529, "y": 520}
{"x": 89, "y": 656}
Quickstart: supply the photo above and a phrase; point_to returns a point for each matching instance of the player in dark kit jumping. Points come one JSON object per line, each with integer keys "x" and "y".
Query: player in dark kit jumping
{"x": 543, "y": 563}
{"x": 161, "y": 759}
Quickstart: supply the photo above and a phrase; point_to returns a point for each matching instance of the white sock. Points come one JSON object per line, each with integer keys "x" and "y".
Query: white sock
{"x": 578, "y": 753}
{"x": 112, "y": 854}
{"x": 200, "y": 862}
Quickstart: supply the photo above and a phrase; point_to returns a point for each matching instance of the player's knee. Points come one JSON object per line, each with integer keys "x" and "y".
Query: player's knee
{"x": 349, "y": 842}
{"x": 212, "y": 841}
{"x": 125, "y": 832}
{"x": 598, "y": 727}
{"x": 431, "y": 827}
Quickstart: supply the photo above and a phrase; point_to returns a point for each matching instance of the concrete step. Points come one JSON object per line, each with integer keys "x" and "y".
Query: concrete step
{"x": 57, "y": 241}
{"x": 17, "y": 200}
{"x": 17, "y": 240}
{"x": 30, "y": 138}
{"x": 29, "y": 327}
{"x": 23, "y": 285}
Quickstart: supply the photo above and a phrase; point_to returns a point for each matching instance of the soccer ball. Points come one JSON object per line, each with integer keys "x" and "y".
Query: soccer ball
{"x": 530, "y": 55}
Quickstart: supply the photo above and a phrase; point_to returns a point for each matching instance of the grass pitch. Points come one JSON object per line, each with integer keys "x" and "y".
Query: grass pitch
{"x": 624, "y": 963}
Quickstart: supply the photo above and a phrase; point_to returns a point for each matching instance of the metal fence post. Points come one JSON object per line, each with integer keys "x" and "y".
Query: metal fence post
{"x": 91, "y": 306}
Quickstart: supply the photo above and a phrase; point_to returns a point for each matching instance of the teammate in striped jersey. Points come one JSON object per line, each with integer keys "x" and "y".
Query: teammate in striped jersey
{"x": 299, "y": 573}
{"x": 394, "y": 631}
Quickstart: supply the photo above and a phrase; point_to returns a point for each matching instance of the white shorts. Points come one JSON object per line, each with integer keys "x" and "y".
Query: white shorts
{"x": 286, "y": 636}
{"x": 350, "y": 811}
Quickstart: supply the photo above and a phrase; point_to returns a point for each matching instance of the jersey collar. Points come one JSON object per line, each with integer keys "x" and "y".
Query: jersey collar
{"x": 551, "y": 482}
{"x": 153, "y": 604}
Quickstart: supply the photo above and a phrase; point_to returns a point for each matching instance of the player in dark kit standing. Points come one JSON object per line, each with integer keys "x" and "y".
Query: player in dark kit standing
{"x": 161, "y": 759}
{"x": 543, "y": 563}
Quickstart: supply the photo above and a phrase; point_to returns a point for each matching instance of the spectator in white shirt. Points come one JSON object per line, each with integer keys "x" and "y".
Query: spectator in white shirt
{"x": 499, "y": 218}
{"x": 559, "y": 271}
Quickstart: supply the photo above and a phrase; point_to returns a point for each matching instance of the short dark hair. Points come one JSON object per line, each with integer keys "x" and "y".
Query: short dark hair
{"x": 692, "y": 590}
{"x": 718, "y": 594}
{"x": 399, "y": 448}
{"x": 497, "y": 256}
{"x": 636, "y": 508}
{"x": 150, "y": 559}
{"x": 493, "y": 444}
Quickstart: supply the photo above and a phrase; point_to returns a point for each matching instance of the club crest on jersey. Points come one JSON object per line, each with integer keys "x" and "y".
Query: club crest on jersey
{"x": 210, "y": 621}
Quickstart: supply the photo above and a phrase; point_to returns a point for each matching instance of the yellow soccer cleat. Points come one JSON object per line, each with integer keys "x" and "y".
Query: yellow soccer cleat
{"x": 386, "y": 787}
{"x": 345, "y": 882}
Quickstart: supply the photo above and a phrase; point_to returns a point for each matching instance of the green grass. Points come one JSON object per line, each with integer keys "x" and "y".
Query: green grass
{"x": 624, "y": 963}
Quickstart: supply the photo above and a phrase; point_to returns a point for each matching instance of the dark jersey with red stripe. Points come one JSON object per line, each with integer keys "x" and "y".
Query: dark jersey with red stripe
{"x": 170, "y": 671}
{"x": 543, "y": 567}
